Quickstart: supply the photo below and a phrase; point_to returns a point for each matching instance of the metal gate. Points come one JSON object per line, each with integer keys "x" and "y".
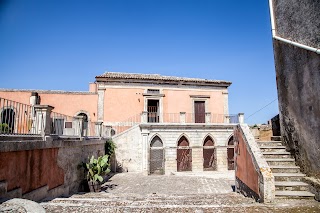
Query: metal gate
{"x": 156, "y": 156}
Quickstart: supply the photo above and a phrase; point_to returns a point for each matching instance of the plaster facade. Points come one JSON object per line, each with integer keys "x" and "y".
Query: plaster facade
{"x": 298, "y": 76}
{"x": 126, "y": 99}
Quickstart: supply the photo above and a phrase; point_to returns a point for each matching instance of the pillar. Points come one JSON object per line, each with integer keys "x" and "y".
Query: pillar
{"x": 208, "y": 117}
{"x": 241, "y": 118}
{"x": 222, "y": 158}
{"x": 182, "y": 117}
{"x": 98, "y": 128}
{"x": 100, "y": 112}
{"x": 42, "y": 120}
{"x": 145, "y": 152}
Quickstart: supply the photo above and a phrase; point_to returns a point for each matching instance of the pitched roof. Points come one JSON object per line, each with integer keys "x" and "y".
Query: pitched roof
{"x": 119, "y": 75}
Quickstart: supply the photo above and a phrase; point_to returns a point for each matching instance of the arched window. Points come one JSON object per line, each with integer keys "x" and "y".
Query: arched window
{"x": 85, "y": 123}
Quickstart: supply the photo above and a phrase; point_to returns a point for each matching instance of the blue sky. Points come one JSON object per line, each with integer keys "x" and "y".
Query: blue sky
{"x": 64, "y": 44}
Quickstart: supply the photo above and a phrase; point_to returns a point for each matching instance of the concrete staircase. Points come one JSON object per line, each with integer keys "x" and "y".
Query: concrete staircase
{"x": 288, "y": 178}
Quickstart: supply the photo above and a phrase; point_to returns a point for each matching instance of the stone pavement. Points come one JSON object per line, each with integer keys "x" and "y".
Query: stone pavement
{"x": 178, "y": 183}
{"x": 180, "y": 192}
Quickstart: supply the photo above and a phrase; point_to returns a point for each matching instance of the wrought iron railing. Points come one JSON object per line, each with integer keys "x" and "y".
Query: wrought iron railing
{"x": 18, "y": 118}
{"x": 174, "y": 118}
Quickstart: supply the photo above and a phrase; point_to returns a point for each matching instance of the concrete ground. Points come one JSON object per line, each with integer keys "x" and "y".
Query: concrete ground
{"x": 180, "y": 192}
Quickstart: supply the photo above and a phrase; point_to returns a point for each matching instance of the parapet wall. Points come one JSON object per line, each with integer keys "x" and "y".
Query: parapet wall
{"x": 38, "y": 169}
{"x": 253, "y": 174}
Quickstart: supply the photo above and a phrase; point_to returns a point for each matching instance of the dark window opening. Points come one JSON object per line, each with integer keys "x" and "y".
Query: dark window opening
{"x": 153, "y": 111}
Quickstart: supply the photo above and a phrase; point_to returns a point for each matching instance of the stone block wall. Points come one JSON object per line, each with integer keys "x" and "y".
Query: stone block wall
{"x": 128, "y": 154}
{"x": 133, "y": 146}
{"x": 49, "y": 168}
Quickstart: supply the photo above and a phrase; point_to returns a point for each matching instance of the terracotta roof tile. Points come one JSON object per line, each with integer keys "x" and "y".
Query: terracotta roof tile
{"x": 115, "y": 75}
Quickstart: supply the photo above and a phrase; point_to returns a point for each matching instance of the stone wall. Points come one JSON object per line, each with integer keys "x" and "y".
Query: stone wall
{"x": 49, "y": 168}
{"x": 133, "y": 145}
{"x": 128, "y": 154}
{"x": 253, "y": 175}
{"x": 298, "y": 77}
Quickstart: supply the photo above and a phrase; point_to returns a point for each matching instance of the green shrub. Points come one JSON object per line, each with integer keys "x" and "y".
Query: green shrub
{"x": 4, "y": 128}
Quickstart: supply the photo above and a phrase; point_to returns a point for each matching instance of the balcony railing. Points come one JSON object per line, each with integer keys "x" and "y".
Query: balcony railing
{"x": 17, "y": 118}
{"x": 22, "y": 119}
{"x": 171, "y": 118}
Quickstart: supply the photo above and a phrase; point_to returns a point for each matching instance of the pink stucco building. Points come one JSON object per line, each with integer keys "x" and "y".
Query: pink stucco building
{"x": 161, "y": 124}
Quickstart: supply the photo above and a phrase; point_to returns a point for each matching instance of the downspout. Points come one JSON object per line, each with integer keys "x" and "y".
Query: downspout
{"x": 274, "y": 34}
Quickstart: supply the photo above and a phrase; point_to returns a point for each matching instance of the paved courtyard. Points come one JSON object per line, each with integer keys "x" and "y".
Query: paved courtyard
{"x": 179, "y": 192}
{"x": 178, "y": 183}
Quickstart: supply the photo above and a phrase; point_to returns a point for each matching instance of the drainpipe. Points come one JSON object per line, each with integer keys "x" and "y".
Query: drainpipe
{"x": 274, "y": 33}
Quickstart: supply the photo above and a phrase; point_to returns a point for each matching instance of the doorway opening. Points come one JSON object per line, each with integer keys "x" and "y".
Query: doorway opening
{"x": 153, "y": 111}
{"x": 230, "y": 154}
{"x": 199, "y": 111}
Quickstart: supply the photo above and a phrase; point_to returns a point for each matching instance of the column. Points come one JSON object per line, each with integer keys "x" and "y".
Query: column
{"x": 98, "y": 128}
{"x": 42, "y": 123}
{"x": 241, "y": 118}
{"x": 208, "y": 117}
{"x": 222, "y": 158}
{"x": 182, "y": 117}
{"x": 197, "y": 159}
{"x": 145, "y": 151}
{"x": 78, "y": 125}
{"x": 144, "y": 117}
{"x": 101, "y": 92}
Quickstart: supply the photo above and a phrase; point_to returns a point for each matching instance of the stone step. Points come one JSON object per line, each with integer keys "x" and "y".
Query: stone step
{"x": 294, "y": 194}
{"x": 272, "y": 148}
{"x": 269, "y": 143}
{"x": 276, "y": 154}
{"x": 288, "y": 176}
{"x": 285, "y": 169}
{"x": 291, "y": 186}
{"x": 280, "y": 161}
{"x": 276, "y": 138}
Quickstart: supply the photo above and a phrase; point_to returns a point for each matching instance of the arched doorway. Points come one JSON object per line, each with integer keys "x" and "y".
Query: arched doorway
{"x": 156, "y": 156}
{"x": 209, "y": 160}
{"x": 184, "y": 155}
{"x": 7, "y": 120}
{"x": 85, "y": 123}
{"x": 230, "y": 151}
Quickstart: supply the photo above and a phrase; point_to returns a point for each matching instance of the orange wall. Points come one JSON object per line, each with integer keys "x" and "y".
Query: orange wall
{"x": 31, "y": 169}
{"x": 123, "y": 103}
{"x": 245, "y": 170}
{"x": 176, "y": 101}
{"x": 64, "y": 103}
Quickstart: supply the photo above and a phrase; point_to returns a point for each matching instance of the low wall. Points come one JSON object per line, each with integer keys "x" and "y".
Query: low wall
{"x": 37, "y": 169}
{"x": 253, "y": 174}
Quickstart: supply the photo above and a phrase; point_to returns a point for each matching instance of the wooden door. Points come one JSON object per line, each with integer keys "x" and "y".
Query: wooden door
{"x": 208, "y": 155}
{"x": 184, "y": 155}
{"x": 184, "y": 159}
{"x": 199, "y": 111}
